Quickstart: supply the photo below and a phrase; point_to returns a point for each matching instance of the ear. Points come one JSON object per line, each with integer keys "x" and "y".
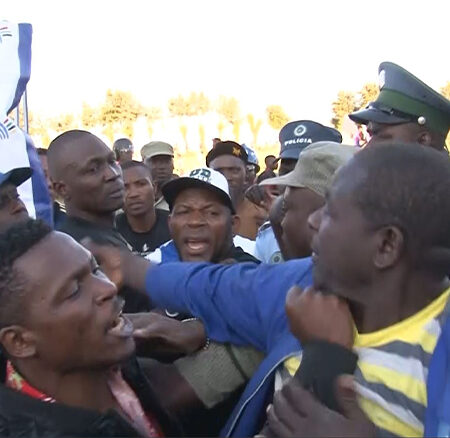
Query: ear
{"x": 235, "y": 223}
{"x": 425, "y": 138}
{"x": 18, "y": 342}
{"x": 390, "y": 247}
{"x": 61, "y": 189}
{"x": 169, "y": 223}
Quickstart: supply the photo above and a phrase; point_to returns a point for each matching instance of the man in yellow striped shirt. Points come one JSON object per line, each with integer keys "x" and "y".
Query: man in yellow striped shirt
{"x": 377, "y": 248}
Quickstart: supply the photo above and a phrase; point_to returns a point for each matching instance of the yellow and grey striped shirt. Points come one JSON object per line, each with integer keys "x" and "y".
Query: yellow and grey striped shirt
{"x": 392, "y": 370}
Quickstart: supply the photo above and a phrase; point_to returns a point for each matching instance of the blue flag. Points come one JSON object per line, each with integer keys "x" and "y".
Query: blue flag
{"x": 16, "y": 147}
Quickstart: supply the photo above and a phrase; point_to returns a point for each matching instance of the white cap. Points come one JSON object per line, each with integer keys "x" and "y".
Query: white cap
{"x": 204, "y": 177}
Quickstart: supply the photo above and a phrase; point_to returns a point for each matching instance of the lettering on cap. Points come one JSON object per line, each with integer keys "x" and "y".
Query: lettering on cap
{"x": 201, "y": 174}
{"x": 298, "y": 141}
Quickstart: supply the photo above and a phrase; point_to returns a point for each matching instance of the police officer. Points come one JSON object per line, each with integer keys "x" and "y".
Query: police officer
{"x": 406, "y": 110}
{"x": 294, "y": 137}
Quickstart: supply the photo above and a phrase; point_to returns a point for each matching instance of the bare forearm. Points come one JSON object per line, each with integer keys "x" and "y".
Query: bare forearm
{"x": 134, "y": 270}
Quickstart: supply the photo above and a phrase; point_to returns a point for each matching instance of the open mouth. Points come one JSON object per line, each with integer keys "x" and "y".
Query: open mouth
{"x": 196, "y": 246}
{"x": 121, "y": 326}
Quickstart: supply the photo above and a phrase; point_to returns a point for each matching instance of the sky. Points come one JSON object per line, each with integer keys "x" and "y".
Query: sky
{"x": 294, "y": 53}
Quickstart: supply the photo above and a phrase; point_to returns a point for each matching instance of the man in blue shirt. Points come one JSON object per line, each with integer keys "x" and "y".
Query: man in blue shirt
{"x": 369, "y": 262}
{"x": 253, "y": 307}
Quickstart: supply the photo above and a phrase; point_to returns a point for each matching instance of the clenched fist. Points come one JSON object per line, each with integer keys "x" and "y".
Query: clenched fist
{"x": 316, "y": 317}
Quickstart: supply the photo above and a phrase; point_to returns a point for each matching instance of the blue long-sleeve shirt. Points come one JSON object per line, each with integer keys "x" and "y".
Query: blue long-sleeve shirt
{"x": 242, "y": 304}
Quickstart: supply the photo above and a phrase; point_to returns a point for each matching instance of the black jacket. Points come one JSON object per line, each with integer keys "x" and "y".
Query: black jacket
{"x": 24, "y": 416}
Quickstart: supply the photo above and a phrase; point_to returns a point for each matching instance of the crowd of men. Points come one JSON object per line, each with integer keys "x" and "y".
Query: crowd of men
{"x": 233, "y": 301}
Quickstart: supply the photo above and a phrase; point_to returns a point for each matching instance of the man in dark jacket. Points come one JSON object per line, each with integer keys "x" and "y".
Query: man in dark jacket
{"x": 67, "y": 368}
{"x": 85, "y": 174}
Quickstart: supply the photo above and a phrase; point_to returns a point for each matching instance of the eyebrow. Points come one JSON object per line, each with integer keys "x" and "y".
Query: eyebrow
{"x": 74, "y": 275}
{"x": 209, "y": 205}
{"x": 227, "y": 167}
{"x": 98, "y": 158}
{"x": 92, "y": 264}
{"x": 142, "y": 178}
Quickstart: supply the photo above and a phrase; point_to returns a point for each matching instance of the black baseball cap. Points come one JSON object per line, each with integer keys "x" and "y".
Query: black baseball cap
{"x": 16, "y": 176}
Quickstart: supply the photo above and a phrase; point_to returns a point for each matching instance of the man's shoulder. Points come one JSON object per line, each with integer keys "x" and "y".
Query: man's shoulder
{"x": 241, "y": 256}
{"x": 161, "y": 204}
{"x": 162, "y": 222}
{"x": 162, "y": 214}
{"x": 267, "y": 249}
{"x": 167, "y": 252}
{"x": 264, "y": 229}
{"x": 73, "y": 227}
{"x": 121, "y": 222}
{"x": 23, "y": 415}
{"x": 120, "y": 218}
{"x": 246, "y": 244}
{"x": 80, "y": 228}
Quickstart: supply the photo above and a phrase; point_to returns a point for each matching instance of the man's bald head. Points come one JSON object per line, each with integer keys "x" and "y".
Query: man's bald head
{"x": 59, "y": 151}
{"x": 84, "y": 173}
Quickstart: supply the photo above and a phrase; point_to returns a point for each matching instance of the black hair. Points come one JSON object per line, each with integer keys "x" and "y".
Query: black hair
{"x": 14, "y": 243}
{"x": 407, "y": 185}
{"x": 255, "y": 194}
{"x": 134, "y": 163}
{"x": 121, "y": 142}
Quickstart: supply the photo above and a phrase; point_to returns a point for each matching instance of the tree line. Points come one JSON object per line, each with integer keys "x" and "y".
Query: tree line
{"x": 120, "y": 110}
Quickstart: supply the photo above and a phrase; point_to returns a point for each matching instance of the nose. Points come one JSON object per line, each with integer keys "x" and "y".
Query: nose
{"x": 131, "y": 193}
{"x": 112, "y": 171}
{"x": 227, "y": 174}
{"x": 16, "y": 205}
{"x": 105, "y": 289}
{"x": 315, "y": 219}
{"x": 196, "y": 218}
